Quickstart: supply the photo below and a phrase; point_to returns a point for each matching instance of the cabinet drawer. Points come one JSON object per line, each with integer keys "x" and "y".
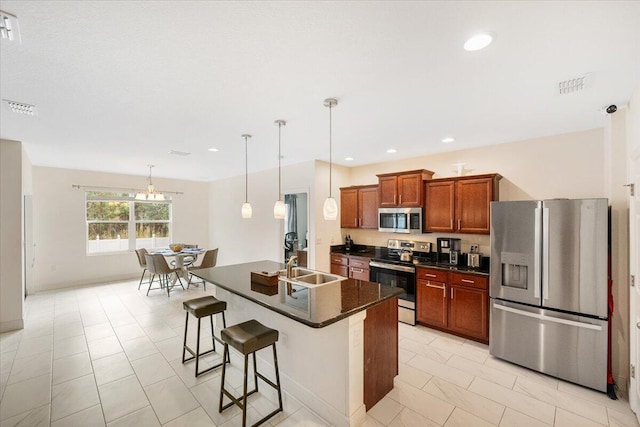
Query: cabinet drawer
{"x": 432, "y": 274}
{"x": 359, "y": 273}
{"x": 339, "y": 259}
{"x": 469, "y": 280}
{"x": 359, "y": 263}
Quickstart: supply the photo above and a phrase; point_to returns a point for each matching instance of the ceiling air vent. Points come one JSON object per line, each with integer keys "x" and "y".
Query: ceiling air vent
{"x": 179, "y": 153}
{"x": 573, "y": 85}
{"x": 9, "y": 26}
{"x": 21, "y": 108}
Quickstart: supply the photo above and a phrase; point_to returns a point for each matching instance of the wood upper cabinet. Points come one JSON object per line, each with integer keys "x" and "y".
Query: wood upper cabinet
{"x": 368, "y": 206}
{"x": 359, "y": 207}
{"x": 348, "y": 208}
{"x": 440, "y": 205}
{"x": 402, "y": 188}
{"x": 460, "y": 205}
{"x": 453, "y": 302}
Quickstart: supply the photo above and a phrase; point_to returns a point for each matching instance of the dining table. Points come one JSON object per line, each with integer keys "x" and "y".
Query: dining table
{"x": 182, "y": 269}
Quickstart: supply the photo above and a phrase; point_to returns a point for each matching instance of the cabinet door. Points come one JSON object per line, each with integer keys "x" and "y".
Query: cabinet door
{"x": 368, "y": 207}
{"x": 349, "y": 208}
{"x": 468, "y": 312}
{"x": 388, "y": 191}
{"x": 439, "y": 206}
{"x": 410, "y": 190}
{"x": 431, "y": 306}
{"x": 473, "y": 205}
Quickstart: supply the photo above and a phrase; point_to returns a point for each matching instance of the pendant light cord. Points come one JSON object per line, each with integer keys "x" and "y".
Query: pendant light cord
{"x": 330, "y": 145}
{"x": 246, "y": 172}
{"x": 279, "y": 164}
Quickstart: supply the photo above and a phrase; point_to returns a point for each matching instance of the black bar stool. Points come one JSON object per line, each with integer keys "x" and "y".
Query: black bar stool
{"x": 199, "y": 308}
{"x": 248, "y": 338}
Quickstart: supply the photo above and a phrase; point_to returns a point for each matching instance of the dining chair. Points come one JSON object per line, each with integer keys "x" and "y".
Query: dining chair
{"x": 140, "y": 253}
{"x": 208, "y": 261}
{"x": 157, "y": 265}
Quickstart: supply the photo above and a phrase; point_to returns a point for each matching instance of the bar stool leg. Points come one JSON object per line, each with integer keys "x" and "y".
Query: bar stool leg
{"x": 224, "y": 371}
{"x": 213, "y": 340}
{"x": 184, "y": 344}
{"x": 244, "y": 390}
{"x": 198, "y": 347}
{"x": 255, "y": 370}
{"x": 275, "y": 363}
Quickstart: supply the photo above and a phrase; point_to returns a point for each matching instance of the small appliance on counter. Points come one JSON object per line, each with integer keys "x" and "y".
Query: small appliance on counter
{"x": 474, "y": 258}
{"x": 449, "y": 250}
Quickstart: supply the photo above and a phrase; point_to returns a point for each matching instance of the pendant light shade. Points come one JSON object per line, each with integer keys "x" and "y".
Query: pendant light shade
{"x": 278, "y": 207}
{"x": 247, "y": 211}
{"x": 330, "y": 207}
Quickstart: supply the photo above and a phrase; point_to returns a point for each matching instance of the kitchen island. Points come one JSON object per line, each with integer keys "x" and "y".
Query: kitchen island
{"x": 338, "y": 347}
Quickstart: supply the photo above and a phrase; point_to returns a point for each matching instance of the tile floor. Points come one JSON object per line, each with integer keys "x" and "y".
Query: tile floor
{"x": 109, "y": 355}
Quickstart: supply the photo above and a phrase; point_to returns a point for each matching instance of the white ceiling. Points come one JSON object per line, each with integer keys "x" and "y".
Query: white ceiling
{"x": 119, "y": 84}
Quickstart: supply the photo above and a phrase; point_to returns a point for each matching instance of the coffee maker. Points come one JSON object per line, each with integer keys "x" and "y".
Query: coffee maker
{"x": 449, "y": 250}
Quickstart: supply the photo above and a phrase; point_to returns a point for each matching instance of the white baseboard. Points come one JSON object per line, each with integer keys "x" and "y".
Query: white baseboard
{"x": 11, "y": 325}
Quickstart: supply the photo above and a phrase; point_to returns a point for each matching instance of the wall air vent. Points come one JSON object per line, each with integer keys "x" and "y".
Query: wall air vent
{"x": 574, "y": 85}
{"x": 21, "y": 108}
{"x": 179, "y": 153}
{"x": 9, "y": 26}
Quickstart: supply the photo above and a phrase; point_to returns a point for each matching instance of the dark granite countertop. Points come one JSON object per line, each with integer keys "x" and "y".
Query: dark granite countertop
{"x": 357, "y": 250}
{"x": 457, "y": 269}
{"x": 315, "y": 306}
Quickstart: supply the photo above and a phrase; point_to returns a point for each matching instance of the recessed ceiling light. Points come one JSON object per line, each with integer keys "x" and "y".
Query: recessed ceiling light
{"x": 392, "y": 150}
{"x": 477, "y": 42}
{"x": 348, "y": 159}
{"x": 447, "y": 140}
{"x": 213, "y": 149}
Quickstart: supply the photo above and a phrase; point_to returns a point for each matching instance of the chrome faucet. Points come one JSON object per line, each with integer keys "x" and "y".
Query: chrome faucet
{"x": 290, "y": 265}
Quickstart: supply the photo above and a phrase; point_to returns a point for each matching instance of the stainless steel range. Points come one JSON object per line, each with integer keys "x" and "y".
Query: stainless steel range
{"x": 396, "y": 268}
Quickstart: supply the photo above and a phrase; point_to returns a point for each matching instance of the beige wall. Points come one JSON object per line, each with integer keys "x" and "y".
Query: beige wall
{"x": 60, "y": 227}
{"x": 568, "y": 166}
{"x": 11, "y": 283}
{"x": 261, "y": 236}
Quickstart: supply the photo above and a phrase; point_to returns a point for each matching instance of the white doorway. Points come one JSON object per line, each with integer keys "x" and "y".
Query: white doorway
{"x": 634, "y": 291}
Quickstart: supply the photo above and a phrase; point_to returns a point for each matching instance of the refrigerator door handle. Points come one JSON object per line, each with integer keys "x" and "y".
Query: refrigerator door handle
{"x": 548, "y": 318}
{"x": 545, "y": 254}
{"x": 537, "y": 252}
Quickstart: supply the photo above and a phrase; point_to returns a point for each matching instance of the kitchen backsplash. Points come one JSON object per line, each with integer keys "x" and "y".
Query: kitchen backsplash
{"x": 376, "y": 238}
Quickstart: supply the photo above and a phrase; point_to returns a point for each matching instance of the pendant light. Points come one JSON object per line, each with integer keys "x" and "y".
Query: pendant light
{"x": 278, "y": 207}
{"x": 150, "y": 194}
{"x": 246, "y": 206}
{"x": 330, "y": 207}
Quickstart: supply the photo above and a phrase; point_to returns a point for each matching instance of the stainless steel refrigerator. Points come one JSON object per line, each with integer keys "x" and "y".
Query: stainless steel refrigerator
{"x": 549, "y": 287}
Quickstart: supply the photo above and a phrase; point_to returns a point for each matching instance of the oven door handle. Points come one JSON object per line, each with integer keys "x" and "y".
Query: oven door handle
{"x": 392, "y": 267}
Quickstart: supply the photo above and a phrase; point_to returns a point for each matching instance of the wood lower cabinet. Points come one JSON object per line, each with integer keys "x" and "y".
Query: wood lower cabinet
{"x": 402, "y": 189}
{"x": 460, "y": 205}
{"x": 353, "y": 267}
{"x": 453, "y": 302}
{"x": 340, "y": 265}
{"x": 432, "y": 303}
{"x": 359, "y": 207}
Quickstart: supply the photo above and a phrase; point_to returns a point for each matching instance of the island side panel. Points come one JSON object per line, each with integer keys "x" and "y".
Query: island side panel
{"x": 380, "y": 351}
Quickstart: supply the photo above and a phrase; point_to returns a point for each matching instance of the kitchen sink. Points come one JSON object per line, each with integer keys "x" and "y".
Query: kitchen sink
{"x": 307, "y": 277}
{"x": 296, "y": 272}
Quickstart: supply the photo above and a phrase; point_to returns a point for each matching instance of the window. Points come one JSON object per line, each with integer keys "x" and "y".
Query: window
{"x": 117, "y": 222}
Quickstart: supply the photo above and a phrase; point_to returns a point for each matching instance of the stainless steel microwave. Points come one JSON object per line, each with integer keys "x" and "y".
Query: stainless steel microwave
{"x": 400, "y": 220}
